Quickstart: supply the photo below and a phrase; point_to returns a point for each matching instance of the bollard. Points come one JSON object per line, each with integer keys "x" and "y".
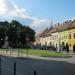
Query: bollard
{"x": 15, "y": 68}
{"x": 0, "y": 65}
{"x": 34, "y": 72}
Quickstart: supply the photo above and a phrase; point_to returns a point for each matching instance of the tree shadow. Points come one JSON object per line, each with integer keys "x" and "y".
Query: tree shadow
{"x": 26, "y": 66}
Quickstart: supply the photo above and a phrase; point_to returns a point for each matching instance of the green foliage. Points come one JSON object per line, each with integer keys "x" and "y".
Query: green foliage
{"x": 17, "y": 33}
{"x": 2, "y": 36}
{"x": 44, "y": 53}
{"x": 36, "y": 52}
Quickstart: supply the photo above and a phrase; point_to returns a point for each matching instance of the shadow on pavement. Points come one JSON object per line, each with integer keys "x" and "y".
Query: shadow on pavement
{"x": 26, "y": 66}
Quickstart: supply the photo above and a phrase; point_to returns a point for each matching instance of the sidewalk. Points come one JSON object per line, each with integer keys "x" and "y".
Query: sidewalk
{"x": 69, "y": 60}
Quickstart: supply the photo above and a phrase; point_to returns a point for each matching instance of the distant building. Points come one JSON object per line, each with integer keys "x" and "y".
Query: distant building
{"x": 37, "y": 40}
{"x": 59, "y": 36}
{"x": 71, "y": 40}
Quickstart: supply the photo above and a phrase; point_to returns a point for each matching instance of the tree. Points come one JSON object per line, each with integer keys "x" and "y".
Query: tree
{"x": 3, "y": 28}
{"x": 13, "y": 33}
{"x": 2, "y": 36}
{"x": 30, "y": 33}
{"x": 17, "y": 34}
{"x": 25, "y": 33}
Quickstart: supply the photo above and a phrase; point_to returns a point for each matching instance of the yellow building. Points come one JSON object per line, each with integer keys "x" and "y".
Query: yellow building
{"x": 61, "y": 35}
{"x": 71, "y": 40}
{"x": 64, "y": 37}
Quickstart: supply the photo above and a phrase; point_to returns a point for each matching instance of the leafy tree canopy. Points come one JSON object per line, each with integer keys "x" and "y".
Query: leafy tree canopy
{"x": 17, "y": 34}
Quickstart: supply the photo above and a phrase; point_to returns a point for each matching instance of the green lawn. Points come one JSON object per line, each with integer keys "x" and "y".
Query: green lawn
{"x": 42, "y": 53}
{"x": 45, "y": 53}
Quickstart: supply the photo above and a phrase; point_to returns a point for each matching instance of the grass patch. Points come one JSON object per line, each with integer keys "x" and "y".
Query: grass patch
{"x": 36, "y": 52}
{"x": 45, "y": 53}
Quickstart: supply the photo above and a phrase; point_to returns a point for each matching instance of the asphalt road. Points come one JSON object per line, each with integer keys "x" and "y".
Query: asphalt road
{"x": 26, "y": 66}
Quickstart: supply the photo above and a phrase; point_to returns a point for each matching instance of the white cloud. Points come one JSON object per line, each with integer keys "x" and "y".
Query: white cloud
{"x": 9, "y": 10}
{"x": 40, "y": 24}
{"x": 2, "y": 7}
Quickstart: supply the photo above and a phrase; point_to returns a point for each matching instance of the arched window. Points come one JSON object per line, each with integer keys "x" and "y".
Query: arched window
{"x": 74, "y": 48}
{"x": 67, "y": 47}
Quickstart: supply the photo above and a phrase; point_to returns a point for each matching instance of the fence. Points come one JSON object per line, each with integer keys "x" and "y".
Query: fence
{"x": 14, "y": 52}
{"x": 12, "y": 65}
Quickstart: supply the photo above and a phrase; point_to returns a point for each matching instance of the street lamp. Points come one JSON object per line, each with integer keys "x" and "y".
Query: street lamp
{"x": 27, "y": 40}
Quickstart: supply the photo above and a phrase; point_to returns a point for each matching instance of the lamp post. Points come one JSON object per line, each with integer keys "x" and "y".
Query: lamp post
{"x": 27, "y": 40}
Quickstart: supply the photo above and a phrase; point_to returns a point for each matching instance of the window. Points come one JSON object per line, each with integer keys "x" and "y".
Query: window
{"x": 69, "y": 36}
{"x": 74, "y": 35}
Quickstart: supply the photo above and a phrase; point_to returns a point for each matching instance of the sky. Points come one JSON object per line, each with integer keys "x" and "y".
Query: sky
{"x": 37, "y": 14}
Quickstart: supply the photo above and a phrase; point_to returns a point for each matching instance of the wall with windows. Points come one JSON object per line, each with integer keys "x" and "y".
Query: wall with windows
{"x": 47, "y": 40}
{"x": 64, "y": 37}
{"x": 71, "y": 41}
{"x": 56, "y": 37}
{"x": 37, "y": 40}
{"x": 42, "y": 41}
{"x": 55, "y": 40}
